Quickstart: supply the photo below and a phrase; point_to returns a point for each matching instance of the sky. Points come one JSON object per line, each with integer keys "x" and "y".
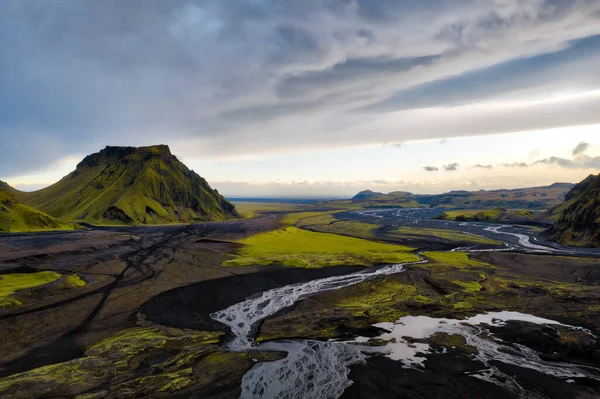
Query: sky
{"x": 306, "y": 98}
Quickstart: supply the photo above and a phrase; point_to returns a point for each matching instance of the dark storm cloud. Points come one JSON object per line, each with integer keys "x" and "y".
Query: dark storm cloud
{"x": 430, "y": 168}
{"x": 451, "y": 167}
{"x": 230, "y": 77}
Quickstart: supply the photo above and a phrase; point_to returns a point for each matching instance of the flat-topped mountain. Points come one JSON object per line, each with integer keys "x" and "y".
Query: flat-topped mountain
{"x": 131, "y": 185}
{"x": 15, "y": 216}
{"x": 578, "y": 220}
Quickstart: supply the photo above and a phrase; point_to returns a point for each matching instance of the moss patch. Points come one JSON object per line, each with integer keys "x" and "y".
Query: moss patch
{"x": 295, "y": 247}
{"x": 454, "y": 259}
{"x": 140, "y": 361}
{"x": 487, "y": 215}
{"x": 329, "y": 224}
{"x": 456, "y": 236}
{"x": 11, "y": 283}
{"x": 16, "y": 217}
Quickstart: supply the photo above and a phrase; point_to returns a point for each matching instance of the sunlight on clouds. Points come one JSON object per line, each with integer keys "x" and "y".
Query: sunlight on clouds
{"x": 46, "y": 177}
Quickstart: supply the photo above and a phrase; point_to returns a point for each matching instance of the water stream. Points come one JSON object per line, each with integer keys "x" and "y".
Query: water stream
{"x": 317, "y": 369}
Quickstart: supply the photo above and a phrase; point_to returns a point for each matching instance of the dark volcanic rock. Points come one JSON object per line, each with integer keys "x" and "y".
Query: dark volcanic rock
{"x": 446, "y": 377}
{"x": 191, "y": 306}
{"x": 579, "y": 220}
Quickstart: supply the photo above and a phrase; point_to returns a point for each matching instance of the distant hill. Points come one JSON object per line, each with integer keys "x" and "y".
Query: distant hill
{"x": 396, "y": 198}
{"x": 15, "y": 216}
{"x": 129, "y": 185}
{"x": 578, "y": 221}
{"x": 366, "y": 194}
{"x": 535, "y": 198}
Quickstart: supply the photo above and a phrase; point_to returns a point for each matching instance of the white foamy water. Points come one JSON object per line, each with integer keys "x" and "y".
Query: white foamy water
{"x": 243, "y": 316}
{"x": 312, "y": 369}
{"x": 319, "y": 370}
{"x": 490, "y": 349}
{"x": 524, "y": 240}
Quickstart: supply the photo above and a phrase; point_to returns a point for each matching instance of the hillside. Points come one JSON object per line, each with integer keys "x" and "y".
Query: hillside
{"x": 129, "y": 185}
{"x": 578, "y": 221}
{"x": 534, "y": 198}
{"x": 16, "y": 217}
{"x": 487, "y": 215}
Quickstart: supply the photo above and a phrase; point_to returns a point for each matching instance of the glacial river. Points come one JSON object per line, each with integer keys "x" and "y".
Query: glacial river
{"x": 320, "y": 369}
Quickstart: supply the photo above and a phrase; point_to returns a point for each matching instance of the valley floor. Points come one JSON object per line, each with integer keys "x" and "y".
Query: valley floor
{"x": 127, "y": 311}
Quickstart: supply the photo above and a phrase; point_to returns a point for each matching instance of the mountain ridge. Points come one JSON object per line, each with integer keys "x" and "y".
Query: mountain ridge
{"x": 578, "y": 220}
{"x": 131, "y": 185}
{"x": 17, "y": 217}
{"x": 534, "y": 198}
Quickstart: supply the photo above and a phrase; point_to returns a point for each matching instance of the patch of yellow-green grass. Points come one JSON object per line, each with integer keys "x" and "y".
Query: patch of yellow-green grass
{"x": 11, "y": 283}
{"x": 470, "y": 281}
{"x": 495, "y": 214}
{"x": 75, "y": 281}
{"x": 456, "y": 259}
{"x": 462, "y": 305}
{"x": 300, "y": 248}
{"x": 140, "y": 360}
{"x": 255, "y": 209}
{"x": 16, "y": 217}
{"x": 340, "y": 204}
{"x": 326, "y": 223}
{"x": 385, "y": 292}
{"x": 298, "y": 218}
{"x": 348, "y": 228}
{"x": 445, "y": 234}
{"x": 488, "y": 214}
{"x": 317, "y": 219}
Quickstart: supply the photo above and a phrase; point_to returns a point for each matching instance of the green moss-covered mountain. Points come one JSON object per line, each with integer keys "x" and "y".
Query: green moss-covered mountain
{"x": 16, "y": 217}
{"x": 578, "y": 220}
{"x": 129, "y": 185}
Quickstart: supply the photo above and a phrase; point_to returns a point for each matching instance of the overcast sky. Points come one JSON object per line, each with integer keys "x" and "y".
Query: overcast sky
{"x": 306, "y": 97}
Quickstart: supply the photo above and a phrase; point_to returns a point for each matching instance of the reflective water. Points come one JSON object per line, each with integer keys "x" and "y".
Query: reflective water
{"x": 316, "y": 369}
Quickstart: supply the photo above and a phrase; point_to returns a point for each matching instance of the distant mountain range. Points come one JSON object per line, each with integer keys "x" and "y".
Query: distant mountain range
{"x": 535, "y": 198}
{"x": 124, "y": 185}
{"x": 578, "y": 220}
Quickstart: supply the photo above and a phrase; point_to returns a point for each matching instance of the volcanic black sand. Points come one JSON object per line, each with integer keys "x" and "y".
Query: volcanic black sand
{"x": 160, "y": 284}
{"x": 191, "y": 306}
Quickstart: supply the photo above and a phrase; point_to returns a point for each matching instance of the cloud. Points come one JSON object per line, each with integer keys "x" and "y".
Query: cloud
{"x": 451, "y": 167}
{"x": 516, "y": 165}
{"x": 430, "y": 168}
{"x": 479, "y": 166}
{"x": 239, "y": 77}
{"x": 581, "y": 148}
{"x": 581, "y": 162}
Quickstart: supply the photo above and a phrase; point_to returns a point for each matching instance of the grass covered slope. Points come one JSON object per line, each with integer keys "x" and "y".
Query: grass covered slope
{"x": 128, "y": 185}
{"x": 16, "y": 217}
{"x": 578, "y": 221}
{"x": 19, "y": 288}
{"x": 488, "y": 215}
{"x": 292, "y": 246}
{"x": 450, "y": 235}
